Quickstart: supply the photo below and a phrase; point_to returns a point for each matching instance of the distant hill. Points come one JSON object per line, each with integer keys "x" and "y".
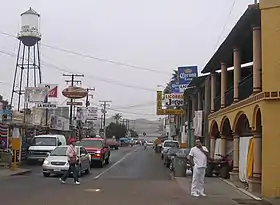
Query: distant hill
{"x": 139, "y": 125}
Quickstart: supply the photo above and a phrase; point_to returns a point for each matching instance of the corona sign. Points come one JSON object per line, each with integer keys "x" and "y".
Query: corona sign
{"x": 161, "y": 111}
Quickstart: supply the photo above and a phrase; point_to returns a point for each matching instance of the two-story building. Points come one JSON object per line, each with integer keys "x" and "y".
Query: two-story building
{"x": 245, "y": 101}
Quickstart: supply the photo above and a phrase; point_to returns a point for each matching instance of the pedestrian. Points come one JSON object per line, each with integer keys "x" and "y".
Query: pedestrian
{"x": 198, "y": 158}
{"x": 73, "y": 160}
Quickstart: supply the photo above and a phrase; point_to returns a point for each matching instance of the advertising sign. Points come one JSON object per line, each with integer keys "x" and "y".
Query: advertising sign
{"x": 74, "y": 92}
{"x": 48, "y": 105}
{"x": 174, "y": 87}
{"x": 186, "y": 74}
{"x": 174, "y": 100}
{"x": 52, "y": 89}
{"x": 35, "y": 94}
{"x": 92, "y": 113}
{"x": 161, "y": 111}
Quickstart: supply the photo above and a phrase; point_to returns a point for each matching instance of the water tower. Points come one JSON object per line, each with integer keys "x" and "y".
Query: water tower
{"x": 28, "y": 70}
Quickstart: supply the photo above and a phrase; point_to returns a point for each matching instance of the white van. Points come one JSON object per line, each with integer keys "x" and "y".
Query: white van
{"x": 41, "y": 145}
{"x": 167, "y": 144}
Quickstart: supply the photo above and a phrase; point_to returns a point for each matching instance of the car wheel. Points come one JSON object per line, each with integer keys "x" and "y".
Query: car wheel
{"x": 107, "y": 161}
{"x": 101, "y": 163}
{"x": 46, "y": 174}
{"x": 116, "y": 148}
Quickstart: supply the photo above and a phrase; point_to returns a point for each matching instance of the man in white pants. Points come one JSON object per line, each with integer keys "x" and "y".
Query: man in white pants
{"x": 198, "y": 157}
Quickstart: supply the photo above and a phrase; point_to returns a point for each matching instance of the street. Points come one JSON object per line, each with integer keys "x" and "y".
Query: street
{"x": 134, "y": 176}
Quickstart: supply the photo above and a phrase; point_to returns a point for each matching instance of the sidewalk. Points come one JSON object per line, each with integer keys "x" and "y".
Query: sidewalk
{"x": 218, "y": 193}
{"x": 8, "y": 172}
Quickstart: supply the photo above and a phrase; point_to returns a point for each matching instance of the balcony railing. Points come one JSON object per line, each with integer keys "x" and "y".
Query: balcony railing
{"x": 245, "y": 90}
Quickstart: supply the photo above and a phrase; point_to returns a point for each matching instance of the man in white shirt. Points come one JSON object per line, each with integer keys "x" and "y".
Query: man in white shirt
{"x": 199, "y": 158}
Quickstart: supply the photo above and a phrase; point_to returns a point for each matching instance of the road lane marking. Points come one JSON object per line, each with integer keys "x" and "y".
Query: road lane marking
{"x": 115, "y": 164}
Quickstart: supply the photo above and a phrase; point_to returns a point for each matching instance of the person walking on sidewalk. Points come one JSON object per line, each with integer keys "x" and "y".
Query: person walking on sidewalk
{"x": 198, "y": 157}
{"x": 71, "y": 153}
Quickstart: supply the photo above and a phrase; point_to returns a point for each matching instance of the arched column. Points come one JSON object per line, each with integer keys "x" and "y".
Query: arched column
{"x": 255, "y": 181}
{"x": 223, "y": 145}
{"x": 257, "y": 56}
{"x": 234, "y": 175}
{"x": 213, "y": 91}
{"x": 212, "y": 147}
{"x": 223, "y": 84}
{"x": 237, "y": 70}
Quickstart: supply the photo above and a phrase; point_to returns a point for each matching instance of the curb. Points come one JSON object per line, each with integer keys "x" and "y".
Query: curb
{"x": 21, "y": 173}
{"x": 242, "y": 190}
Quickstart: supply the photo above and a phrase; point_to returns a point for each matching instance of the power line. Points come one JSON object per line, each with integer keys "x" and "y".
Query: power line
{"x": 109, "y": 81}
{"x": 96, "y": 58}
{"x": 224, "y": 27}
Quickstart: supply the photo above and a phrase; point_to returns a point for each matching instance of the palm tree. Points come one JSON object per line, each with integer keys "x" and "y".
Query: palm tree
{"x": 117, "y": 117}
{"x": 174, "y": 77}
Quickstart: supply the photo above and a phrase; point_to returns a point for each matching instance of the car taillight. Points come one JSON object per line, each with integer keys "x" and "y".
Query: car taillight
{"x": 98, "y": 155}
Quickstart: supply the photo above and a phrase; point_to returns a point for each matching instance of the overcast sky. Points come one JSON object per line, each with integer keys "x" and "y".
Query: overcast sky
{"x": 155, "y": 34}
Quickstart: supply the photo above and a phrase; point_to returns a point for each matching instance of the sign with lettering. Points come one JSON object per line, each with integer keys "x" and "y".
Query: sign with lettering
{"x": 174, "y": 99}
{"x": 161, "y": 111}
{"x": 186, "y": 74}
{"x": 46, "y": 105}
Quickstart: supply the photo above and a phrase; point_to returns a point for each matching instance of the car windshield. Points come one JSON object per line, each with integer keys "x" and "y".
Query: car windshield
{"x": 91, "y": 143}
{"x": 44, "y": 141}
{"x": 171, "y": 144}
{"x": 60, "y": 151}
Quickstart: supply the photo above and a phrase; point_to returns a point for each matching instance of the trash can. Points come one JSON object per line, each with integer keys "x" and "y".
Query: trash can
{"x": 180, "y": 166}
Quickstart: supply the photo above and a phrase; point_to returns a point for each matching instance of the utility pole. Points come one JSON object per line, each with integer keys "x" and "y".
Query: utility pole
{"x": 105, "y": 104}
{"x": 72, "y": 82}
{"x": 89, "y": 95}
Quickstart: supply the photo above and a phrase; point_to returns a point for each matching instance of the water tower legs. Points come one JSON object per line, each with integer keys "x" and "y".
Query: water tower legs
{"x": 27, "y": 72}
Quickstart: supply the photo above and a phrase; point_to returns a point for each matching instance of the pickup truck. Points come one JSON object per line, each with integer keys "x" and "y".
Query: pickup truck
{"x": 112, "y": 143}
{"x": 98, "y": 150}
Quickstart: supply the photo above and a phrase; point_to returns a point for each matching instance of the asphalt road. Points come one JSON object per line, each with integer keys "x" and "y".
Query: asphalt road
{"x": 134, "y": 176}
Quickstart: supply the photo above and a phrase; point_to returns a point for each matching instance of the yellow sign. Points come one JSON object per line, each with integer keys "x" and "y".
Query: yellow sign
{"x": 161, "y": 111}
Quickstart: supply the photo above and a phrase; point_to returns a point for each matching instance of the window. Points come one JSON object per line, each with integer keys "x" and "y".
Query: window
{"x": 59, "y": 151}
{"x": 91, "y": 143}
{"x": 171, "y": 144}
{"x": 44, "y": 141}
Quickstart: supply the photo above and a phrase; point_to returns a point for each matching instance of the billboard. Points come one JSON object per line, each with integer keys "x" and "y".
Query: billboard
{"x": 174, "y": 100}
{"x": 186, "y": 74}
{"x": 161, "y": 111}
{"x": 35, "y": 94}
{"x": 174, "y": 87}
{"x": 92, "y": 113}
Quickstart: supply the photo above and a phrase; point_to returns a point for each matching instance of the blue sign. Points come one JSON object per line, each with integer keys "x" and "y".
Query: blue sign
{"x": 174, "y": 87}
{"x": 186, "y": 74}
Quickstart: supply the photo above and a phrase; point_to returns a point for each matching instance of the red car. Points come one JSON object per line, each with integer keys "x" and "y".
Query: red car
{"x": 98, "y": 149}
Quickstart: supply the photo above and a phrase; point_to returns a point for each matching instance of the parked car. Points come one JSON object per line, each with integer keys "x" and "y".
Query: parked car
{"x": 112, "y": 143}
{"x": 57, "y": 161}
{"x": 167, "y": 144}
{"x": 42, "y": 145}
{"x": 181, "y": 153}
{"x": 169, "y": 154}
{"x": 98, "y": 149}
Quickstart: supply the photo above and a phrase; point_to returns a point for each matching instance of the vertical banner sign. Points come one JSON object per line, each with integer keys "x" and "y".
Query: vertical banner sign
{"x": 186, "y": 74}
{"x": 92, "y": 113}
{"x": 174, "y": 87}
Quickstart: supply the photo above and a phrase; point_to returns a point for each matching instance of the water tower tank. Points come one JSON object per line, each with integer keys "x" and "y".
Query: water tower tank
{"x": 29, "y": 34}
